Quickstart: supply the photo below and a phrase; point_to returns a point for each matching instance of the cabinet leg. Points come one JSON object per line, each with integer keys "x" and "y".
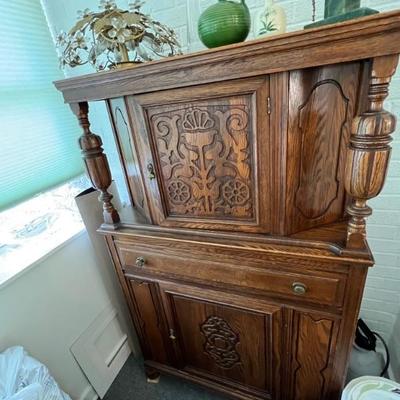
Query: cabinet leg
{"x": 153, "y": 376}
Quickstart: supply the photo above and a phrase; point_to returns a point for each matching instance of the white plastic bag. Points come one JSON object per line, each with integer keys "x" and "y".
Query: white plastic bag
{"x": 24, "y": 378}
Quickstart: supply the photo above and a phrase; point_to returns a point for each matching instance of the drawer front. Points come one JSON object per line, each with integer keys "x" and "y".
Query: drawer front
{"x": 323, "y": 288}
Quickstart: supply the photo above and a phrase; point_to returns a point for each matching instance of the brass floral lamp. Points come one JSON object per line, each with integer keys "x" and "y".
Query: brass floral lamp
{"x": 113, "y": 38}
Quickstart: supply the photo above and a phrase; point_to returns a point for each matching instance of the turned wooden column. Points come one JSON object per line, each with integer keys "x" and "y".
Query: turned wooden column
{"x": 369, "y": 150}
{"x": 96, "y": 162}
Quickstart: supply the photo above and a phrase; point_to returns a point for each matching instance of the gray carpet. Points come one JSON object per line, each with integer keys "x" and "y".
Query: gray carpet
{"x": 131, "y": 384}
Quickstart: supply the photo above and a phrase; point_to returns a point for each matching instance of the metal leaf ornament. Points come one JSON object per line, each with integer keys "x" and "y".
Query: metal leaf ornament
{"x": 112, "y": 37}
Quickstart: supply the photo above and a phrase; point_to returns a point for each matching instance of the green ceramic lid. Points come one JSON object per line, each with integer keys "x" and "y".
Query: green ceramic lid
{"x": 223, "y": 23}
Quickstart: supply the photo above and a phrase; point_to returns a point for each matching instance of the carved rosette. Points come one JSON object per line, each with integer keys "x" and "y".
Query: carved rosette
{"x": 179, "y": 191}
{"x": 205, "y": 157}
{"x": 96, "y": 163}
{"x": 221, "y": 342}
{"x": 235, "y": 192}
{"x": 369, "y": 150}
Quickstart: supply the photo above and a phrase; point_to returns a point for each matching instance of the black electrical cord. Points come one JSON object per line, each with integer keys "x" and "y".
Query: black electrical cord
{"x": 385, "y": 368}
{"x": 366, "y": 339}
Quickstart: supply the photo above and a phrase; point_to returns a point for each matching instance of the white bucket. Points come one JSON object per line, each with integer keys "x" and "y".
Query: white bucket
{"x": 371, "y": 388}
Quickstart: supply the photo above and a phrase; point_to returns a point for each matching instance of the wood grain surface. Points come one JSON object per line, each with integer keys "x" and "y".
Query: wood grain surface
{"x": 325, "y": 45}
{"x": 243, "y": 256}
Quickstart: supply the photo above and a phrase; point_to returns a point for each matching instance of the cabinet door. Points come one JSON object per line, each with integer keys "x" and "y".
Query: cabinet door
{"x": 205, "y": 151}
{"x": 149, "y": 320}
{"x": 311, "y": 345}
{"x": 322, "y": 104}
{"x": 225, "y": 338}
{"x": 128, "y": 153}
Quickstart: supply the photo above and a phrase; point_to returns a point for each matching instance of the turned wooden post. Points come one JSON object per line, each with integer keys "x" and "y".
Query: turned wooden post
{"x": 369, "y": 151}
{"x": 96, "y": 162}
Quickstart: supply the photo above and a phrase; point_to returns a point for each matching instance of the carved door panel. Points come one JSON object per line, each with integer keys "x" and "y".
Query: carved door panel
{"x": 226, "y": 338}
{"x": 149, "y": 321}
{"x": 322, "y": 103}
{"x": 311, "y": 344}
{"x": 208, "y": 149}
{"x": 128, "y": 154}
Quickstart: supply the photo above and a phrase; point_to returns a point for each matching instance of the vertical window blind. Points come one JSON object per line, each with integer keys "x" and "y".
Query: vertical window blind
{"x": 38, "y": 133}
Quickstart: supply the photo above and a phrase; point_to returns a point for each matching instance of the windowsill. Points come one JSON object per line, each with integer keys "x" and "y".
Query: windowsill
{"x": 18, "y": 273}
{"x": 31, "y": 231}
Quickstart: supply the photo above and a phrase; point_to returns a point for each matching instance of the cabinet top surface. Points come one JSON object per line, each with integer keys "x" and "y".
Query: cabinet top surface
{"x": 323, "y": 243}
{"x": 362, "y": 38}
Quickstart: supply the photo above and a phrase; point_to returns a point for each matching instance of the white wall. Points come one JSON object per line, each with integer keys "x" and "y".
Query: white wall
{"x": 47, "y": 308}
{"x": 381, "y": 305}
{"x": 52, "y": 303}
{"x": 395, "y": 349}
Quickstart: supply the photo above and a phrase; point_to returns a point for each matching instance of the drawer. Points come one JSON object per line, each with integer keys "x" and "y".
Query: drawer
{"x": 322, "y": 288}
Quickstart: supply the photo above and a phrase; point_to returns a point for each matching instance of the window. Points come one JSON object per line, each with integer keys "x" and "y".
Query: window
{"x": 38, "y": 150}
{"x": 33, "y": 228}
{"x": 38, "y": 132}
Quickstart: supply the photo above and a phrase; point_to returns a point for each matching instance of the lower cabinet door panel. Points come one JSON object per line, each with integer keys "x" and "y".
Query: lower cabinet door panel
{"x": 149, "y": 321}
{"x": 227, "y": 341}
{"x": 312, "y": 340}
{"x": 250, "y": 346}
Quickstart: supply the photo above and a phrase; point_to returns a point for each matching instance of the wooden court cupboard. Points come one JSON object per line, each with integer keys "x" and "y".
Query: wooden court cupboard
{"x": 244, "y": 256}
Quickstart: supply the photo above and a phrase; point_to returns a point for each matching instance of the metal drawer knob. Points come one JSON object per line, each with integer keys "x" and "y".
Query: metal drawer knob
{"x": 140, "y": 261}
{"x": 299, "y": 288}
{"x": 150, "y": 169}
{"x": 172, "y": 334}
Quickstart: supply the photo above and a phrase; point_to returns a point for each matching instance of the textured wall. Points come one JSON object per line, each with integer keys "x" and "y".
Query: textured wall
{"x": 381, "y": 304}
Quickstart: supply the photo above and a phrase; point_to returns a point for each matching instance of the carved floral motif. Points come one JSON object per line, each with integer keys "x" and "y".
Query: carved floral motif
{"x": 236, "y": 192}
{"x": 205, "y": 158}
{"x": 220, "y": 342}
{"x": 197, "y": 119}
{"x": 178, "y": 192}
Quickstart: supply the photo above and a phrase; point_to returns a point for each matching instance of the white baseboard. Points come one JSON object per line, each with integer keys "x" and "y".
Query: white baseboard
{"x": 88, "y": 394}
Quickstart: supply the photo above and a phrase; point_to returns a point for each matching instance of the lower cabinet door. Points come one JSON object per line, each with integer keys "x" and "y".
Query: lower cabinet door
{"x": 149, "y": 320}
{"x": 312, "y": 339}
{"x": 228, "y": 339}
{"x": 244, "y": 346}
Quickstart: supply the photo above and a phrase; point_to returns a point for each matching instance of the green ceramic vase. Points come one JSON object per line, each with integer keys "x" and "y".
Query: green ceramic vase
{"x": 334, "y": 8}
{"x": 224, "y": 23}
